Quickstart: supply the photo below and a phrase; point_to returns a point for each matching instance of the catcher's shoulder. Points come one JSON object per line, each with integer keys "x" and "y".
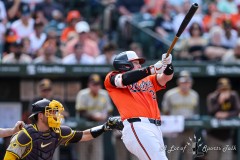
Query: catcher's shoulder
{"x": 65, "y": 131}
{"x": 22, "y": 138}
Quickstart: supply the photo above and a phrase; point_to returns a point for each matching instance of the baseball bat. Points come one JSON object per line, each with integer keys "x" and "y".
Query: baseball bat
{"x": 183, "y": 25}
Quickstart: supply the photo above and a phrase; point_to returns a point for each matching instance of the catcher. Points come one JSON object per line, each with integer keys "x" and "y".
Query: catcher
{"x": 40, "y": 139}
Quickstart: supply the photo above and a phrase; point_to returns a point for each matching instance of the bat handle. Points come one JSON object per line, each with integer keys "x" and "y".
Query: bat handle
{"x": 172, "y": 45}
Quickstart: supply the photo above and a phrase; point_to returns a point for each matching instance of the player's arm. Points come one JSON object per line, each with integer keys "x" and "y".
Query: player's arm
{"x": 163, "y": 69}
{"x": 89, "y": 134}
{"x": 112, "y": 123}
{"x": 167, "y": 72}
{"x": 5, "y": 132}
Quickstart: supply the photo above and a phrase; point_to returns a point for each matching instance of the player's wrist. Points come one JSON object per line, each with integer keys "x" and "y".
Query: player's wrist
{"x": 169, "y": 69}
{"x": 97, "y": 131}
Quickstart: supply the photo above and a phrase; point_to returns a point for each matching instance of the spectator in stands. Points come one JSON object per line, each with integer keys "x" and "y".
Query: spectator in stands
{"x": 235, "y": 19}
{"x": 47, "y": 7}
{"x": 94, "y": 105}
{"x": 109, "y": 53}
{"x": 223, "y": 103}
{"x": 16, "y": 56}
{"x": 230, "y": 35}
{"x": 97, "y": 35}
{"x": 68, "y": 46}
{"x": 90, "y": 46}
{"x": 78, "y": 56}
{"x": 13, "y": 8}
{"x": 215, "y": 49}
{"x": 25, "y": 25}
{"x": 233, "y": 55}
{"x": 27, "y": 46}
{"x": 9, "y": 38}
{"x": 57, "y": 23}
{"x": 39, "y": 16}
{"x": 127, "y": 9}
{"x": 154, "y": 7}
{"x": 3, "y": 21}
{"x": 49, "y": 54}
{"x": 72, "y": 18}
{"x": 37, "y": 38}
{"x": 181, "y": 100}
{"x": 164, "y": 22}
{"x": 212, "y": 17}
{"x": 3, "y": 13}
{"x": 227, "y": 6}
{"x": 32, "y": 3}
{"x": 192, "y": 48}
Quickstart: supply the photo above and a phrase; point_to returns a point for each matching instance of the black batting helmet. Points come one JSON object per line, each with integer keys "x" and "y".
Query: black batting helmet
{"x": 39, "y": 106}
{"x": 122, "y": 62}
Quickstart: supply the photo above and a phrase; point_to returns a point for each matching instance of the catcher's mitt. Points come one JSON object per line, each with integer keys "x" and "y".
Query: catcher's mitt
{"x": 114, "y": 123}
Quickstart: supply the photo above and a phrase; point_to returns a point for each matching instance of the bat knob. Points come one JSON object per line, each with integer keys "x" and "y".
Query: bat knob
{"x": 195, "y": 5}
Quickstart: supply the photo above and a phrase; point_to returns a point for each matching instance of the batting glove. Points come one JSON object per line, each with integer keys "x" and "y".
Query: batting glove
{"x": 157, "y": 68}
{"x": 166, "y": 60}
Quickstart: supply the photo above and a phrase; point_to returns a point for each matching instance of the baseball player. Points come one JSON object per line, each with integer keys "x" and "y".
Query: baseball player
{"x": 133, "y": 91}
{"x": 40, "y": 139}
{"x": 6, "y": 132}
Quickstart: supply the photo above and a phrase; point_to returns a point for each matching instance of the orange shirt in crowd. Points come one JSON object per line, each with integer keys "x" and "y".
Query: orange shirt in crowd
{"x": 65, "y": 33}
{"x": 154, "y": 6}
{"x": 208, "y": 19}
{"x": 136, "y": 100}
{"x": 235, "y": 19}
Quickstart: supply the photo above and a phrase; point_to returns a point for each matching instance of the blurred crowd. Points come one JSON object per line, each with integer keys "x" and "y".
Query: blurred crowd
{"x": 59, "y": 31}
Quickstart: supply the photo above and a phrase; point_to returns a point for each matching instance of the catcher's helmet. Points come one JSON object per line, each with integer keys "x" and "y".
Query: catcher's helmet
{"x": 122, "y": 62}
{"x": 39, "y": 106}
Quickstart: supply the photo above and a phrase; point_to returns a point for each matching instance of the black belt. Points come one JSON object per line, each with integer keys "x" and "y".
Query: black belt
{"x": 154, "y": 121}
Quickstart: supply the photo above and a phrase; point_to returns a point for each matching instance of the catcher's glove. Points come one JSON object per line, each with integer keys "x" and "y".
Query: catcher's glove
{"x": 114, "y": 123}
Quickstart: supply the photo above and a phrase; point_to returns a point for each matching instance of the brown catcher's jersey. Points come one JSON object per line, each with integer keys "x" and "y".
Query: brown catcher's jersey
{"x": 31, "y": 144}
{"x": 136, "y": 100}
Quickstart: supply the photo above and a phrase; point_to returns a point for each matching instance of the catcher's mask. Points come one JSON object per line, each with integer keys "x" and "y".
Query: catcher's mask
{"x": 123, "y": 61}
{"x": 52, "y": 110}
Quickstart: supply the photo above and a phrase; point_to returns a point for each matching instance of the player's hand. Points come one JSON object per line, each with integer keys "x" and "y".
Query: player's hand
{"x": 157, "y": 68}
{"x": 18, "y": 126}
{"x": 167, "y": 60}
{"x": 114, "y": 123}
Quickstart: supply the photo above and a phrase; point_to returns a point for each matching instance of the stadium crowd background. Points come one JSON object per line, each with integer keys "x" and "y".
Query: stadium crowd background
{"x": 45, "y": 31}
{"x": 94, "y": 31}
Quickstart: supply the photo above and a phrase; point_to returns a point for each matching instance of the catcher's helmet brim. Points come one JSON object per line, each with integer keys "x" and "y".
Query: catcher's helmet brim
{"x": 33, "y": 114}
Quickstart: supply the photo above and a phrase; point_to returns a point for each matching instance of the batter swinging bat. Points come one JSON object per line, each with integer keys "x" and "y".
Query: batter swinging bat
{"x": 183, "y": 25}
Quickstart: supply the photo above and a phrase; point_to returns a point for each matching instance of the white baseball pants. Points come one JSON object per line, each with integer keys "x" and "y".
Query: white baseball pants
{"x": 144, "y": 140}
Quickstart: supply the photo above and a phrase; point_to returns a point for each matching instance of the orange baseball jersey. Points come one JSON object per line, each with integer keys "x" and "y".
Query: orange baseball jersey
{"x": 136, "y": 100}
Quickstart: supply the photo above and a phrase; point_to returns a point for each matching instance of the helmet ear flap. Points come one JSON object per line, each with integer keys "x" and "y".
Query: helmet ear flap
{"x": 122, "y": 65}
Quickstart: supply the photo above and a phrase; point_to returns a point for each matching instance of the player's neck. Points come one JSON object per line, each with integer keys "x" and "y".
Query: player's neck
{"x": 42, "y": 127}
